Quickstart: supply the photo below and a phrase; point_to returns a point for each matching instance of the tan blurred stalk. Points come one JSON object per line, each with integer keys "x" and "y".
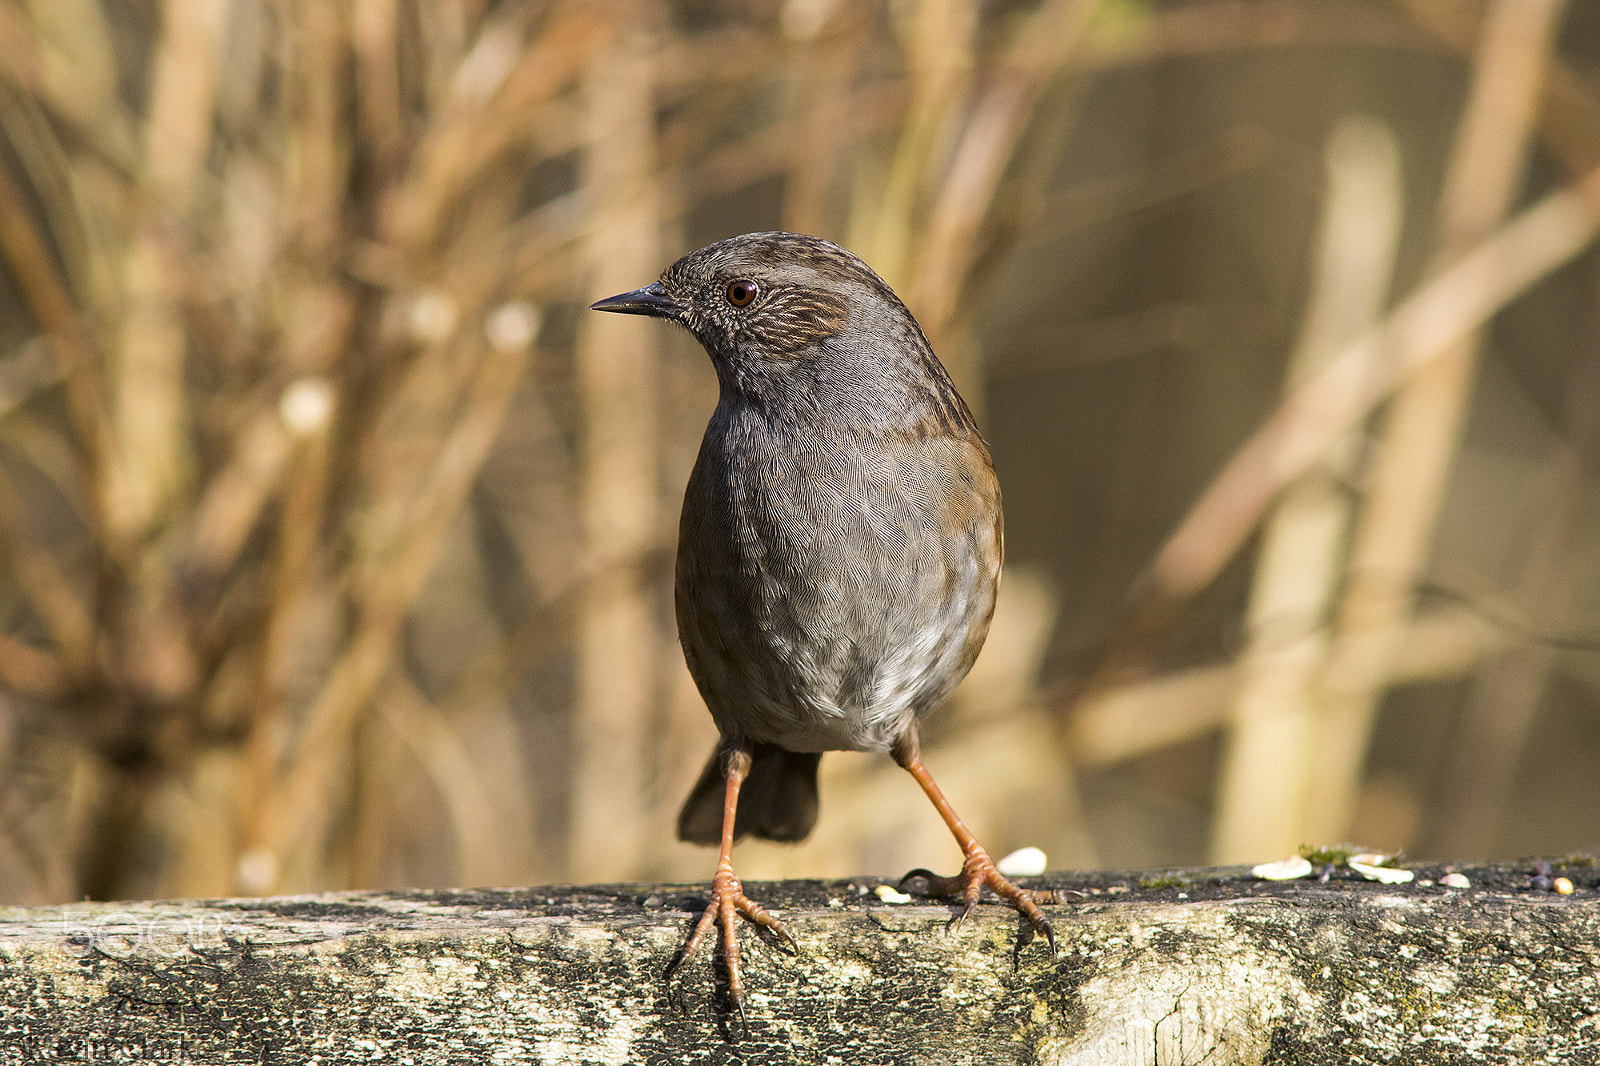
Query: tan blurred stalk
{"x": 1421, "y": 431}
{"x": 945, "y": 189}
{"x": 1480, "y": 780}
{"x": 1135, "y": 720}
{"x": 151, "y": 413}
{"x": 619, "y": 500}
{"x": 1262, "y": 808}
{"x": 278, "y": 449}
{"x": 335, "y": 537}
{"x": 1300, "y": 431}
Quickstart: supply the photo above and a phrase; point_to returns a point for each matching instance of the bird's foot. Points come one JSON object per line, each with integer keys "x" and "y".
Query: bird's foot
{"x": 977, "y": 871}
{"x": 727, "y": 899}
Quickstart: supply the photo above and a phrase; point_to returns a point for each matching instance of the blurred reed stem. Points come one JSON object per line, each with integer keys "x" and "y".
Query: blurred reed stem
{"x": 1421, "y": 430}
{"x": 335, "y": 535}
{"x": 1269, "y": 752}
{"x": 1480, "y": 771}
{"x": 617, "y": 639}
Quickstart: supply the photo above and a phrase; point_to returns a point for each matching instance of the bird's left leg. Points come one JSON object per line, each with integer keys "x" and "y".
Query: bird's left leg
{"x": 977, "y": 869}
{"x": 727, "y": 895}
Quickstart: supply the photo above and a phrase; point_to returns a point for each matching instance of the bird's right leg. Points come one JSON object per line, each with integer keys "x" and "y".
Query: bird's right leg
{"x": 727, "y": 895}
{"x": 977, "y": 869}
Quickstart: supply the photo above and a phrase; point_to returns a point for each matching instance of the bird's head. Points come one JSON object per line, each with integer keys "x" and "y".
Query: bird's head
{"x": 786, "y": 317}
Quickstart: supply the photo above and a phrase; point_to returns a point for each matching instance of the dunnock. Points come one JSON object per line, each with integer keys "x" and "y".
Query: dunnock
{"x": 839, "y": 548}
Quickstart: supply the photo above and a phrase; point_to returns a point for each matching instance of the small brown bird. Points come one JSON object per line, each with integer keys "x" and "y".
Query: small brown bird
{"x": 838, "y": 553}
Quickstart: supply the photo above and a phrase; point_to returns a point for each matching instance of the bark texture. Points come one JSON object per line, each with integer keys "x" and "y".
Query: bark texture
{"x": 1180, "y": 967}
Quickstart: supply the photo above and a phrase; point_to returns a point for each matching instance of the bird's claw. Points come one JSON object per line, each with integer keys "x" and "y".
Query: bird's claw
{"x": 977, "y": 871}
{"x": 728, "y": 899}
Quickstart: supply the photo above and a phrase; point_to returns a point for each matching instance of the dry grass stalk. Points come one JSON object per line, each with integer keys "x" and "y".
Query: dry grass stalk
{"x": 1422, "y": 429}
{"x": 1530, "y": 246}
{"x": 322, "y": 515}
{"x": 290, "y": 287}
{"x": 1135, "y": 720}
{"x": 215, "y": 558}
{"x": 619, "y": 500}
{"x": 1261, "y": 808}
{"x": 1479, "y": 784}
{"x": 944, "y": 195}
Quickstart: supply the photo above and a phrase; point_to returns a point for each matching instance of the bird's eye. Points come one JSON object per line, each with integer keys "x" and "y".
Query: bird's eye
{"x": 741, "y": 292}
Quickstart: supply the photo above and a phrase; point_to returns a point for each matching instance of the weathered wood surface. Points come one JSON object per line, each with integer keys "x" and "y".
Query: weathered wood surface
{"x": 1197, "y": 967}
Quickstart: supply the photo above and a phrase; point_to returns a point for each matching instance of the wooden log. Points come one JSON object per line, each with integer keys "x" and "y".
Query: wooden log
{"x": 1182, "y": 967}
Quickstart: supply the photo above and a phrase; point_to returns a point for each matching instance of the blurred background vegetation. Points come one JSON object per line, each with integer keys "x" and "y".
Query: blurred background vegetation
{"x": 336, "y": 537}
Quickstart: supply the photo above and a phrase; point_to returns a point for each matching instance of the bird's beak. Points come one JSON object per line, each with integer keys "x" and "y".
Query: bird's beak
{"x": 650, "y": 300}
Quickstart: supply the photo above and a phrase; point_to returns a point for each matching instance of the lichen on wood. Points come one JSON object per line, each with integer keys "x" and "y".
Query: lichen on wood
{"x": 1203, "y": 966}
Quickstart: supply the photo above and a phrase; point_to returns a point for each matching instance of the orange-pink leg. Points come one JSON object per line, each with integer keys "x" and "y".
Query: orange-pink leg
{"x": 977, "y": 869}
{"x": 727, "y": 895}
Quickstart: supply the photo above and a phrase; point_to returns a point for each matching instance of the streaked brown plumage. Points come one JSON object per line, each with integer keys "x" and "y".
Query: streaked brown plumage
{"x": 839, "y": 549}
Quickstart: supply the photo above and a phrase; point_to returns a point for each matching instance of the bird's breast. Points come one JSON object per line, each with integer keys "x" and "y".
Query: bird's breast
{"x": 829, "y": 589}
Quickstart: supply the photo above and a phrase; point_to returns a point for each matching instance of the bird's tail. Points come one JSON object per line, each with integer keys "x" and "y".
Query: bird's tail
{"x": 778, "y": 800}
